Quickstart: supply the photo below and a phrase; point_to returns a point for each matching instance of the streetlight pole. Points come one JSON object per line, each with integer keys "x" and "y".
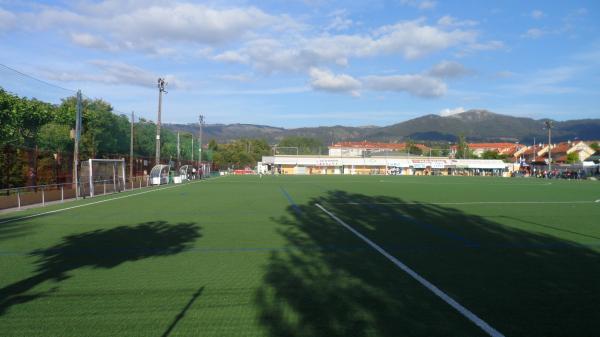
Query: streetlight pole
{"x": 548, "y": 124}
{"x": 200, "y": 124}
{"x": 161, "y": 89}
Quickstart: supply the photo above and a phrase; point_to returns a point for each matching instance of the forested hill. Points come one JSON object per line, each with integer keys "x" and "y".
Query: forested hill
{"x": 476, "y": 125}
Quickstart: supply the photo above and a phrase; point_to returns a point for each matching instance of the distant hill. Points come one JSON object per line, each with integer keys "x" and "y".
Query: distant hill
{"x": 476, "y": 125}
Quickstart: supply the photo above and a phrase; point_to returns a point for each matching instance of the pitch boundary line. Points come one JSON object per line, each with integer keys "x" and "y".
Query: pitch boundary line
{"x": 91, "y": 203}
{"x": 430, "y": 286}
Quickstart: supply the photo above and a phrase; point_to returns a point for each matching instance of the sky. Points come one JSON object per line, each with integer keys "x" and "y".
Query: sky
{"x": 301, "y": 63}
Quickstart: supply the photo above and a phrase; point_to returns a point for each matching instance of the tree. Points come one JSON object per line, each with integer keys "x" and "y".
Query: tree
{"x": 572, "y": 158}
{"x": 490, "y": 155}
{"x": 595, "y": 146}
{"x": 305, "y": 145}
{"x": 462, "y": 148}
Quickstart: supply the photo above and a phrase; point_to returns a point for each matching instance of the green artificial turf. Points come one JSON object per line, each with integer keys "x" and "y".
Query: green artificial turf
{"x": 250, "y": 256}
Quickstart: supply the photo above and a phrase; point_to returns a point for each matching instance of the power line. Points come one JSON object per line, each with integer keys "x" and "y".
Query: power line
{"x": 36, "y": 79}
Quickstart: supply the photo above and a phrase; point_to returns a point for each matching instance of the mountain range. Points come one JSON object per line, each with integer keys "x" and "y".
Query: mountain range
{"x": 476, "y": 125}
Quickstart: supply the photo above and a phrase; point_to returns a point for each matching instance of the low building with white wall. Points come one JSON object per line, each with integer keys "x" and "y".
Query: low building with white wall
{"x": 381, "y": 165}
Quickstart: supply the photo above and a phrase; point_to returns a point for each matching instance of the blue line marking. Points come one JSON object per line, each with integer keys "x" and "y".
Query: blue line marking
{"x": 291, "y": 201}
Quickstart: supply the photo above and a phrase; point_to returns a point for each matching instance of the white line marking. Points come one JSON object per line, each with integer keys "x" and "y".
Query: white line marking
{"x": 93, "y": 203}
{"x": 445, "y": 297}
{"x": 473, "y": 203}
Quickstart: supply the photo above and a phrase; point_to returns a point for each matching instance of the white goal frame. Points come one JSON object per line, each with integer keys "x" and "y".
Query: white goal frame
{"x": 118, "y": 174}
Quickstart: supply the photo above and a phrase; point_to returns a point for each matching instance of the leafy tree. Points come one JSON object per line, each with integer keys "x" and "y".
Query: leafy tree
{"x": 436, "y": 152}
{"x": 572, "y": 158}
{"x": 241, "y": 153}
{"x": 595, "y": 146}
{"x": 490, "y": 155}
{"x": 305, "y": 145}
{"x": 462, "y": 148}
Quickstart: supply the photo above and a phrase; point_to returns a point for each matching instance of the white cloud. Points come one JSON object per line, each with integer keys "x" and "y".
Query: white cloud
{"x": 449, "y": 112}
{"x": 451, "y": 21}
{"x": 152, "y": 26}
{"x": 420, "y": 4}
{"x": 449, "y": 69}
{"x": 7, "y": 20}
{"x": 534, "y": 33}
{"x": 411, "y": 39}
{"x": 111, "y": 72}
{"x": 231, "y": 57}
{"x": 91, "y": 41}
{"x": 537, "y": 14}
{"x": 189, "y": 22}
{"x": 340, "y": 21}
{"x": 322, "y": 79}
{"x": 416, "y": 85}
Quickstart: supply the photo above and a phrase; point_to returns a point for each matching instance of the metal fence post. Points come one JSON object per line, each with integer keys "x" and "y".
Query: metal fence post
{"x": 62, "y": 193}
{"x": 43, "y": 196}
{"x": 19, "y": 198}
{"x": 104, "y": 186}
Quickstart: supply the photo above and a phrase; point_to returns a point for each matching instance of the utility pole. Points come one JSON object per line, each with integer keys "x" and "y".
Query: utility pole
{"x": 533, "y": 152}
{"x": 131, "y": 149}
{"x": 161, "y": 89}
{"x": 77, "y": 135}
{"x": 548, "y": 124}
{"x": 178, "y": 164}
{"x": 200, "y": 124}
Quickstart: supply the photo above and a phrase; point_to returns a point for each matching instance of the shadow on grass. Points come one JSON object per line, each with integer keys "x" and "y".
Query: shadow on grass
{"x": 12, "y": 229}
{"x": 329, "y": 283}
{"x": 183, "y": 312}
{"x": 100, "y": 249}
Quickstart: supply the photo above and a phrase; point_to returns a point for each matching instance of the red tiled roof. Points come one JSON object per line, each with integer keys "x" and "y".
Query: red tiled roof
{"x": 491, "y": 145}
{"x": 375, "y": 145}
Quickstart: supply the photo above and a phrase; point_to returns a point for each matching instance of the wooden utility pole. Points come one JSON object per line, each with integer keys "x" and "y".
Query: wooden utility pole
{"x": 77, "y": 136}
{"x": 178, "y": 150}
{"x": 131, "y": 148}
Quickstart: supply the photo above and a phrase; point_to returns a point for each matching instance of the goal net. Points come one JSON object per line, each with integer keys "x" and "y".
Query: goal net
{"x": 101, "y": 176}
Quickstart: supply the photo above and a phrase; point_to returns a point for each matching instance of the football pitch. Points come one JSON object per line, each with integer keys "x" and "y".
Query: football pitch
{"x": 309, "y": 256}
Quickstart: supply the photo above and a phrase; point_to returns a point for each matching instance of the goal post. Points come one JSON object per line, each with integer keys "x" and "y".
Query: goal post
{"x": 101, "y": 176}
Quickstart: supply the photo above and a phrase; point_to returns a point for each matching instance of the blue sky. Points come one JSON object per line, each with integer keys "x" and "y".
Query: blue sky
{"x": 306, "y": 63}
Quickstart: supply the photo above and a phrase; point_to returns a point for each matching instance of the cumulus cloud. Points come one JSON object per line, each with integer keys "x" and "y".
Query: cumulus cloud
{"x": 419, "y": 85}
{"x": 322, "y": 79}
{"x": 150, "y": 26}
{"x": 416, "y": 85}
{"x": 449, "y": 69}
{"x": 449, "y": 112}
{"x": 411, "y": 39}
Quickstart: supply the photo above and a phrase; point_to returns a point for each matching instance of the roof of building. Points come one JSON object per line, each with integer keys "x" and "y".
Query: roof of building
{"x": 375, "y": 145}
